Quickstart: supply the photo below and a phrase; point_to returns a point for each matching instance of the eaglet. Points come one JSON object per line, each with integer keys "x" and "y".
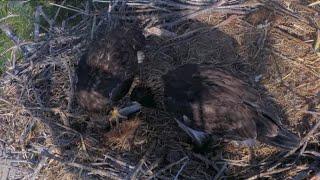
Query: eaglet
{"x": 209, "y": 101}
{"x": 106, "y": 72}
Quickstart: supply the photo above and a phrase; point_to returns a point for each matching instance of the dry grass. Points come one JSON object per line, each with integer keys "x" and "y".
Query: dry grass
{"x": 270, "y": 44}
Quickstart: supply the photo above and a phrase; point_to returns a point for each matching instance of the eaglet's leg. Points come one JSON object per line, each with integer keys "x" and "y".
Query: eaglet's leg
{"x": 138, "y": 79}
{"x": 115, "y": 117}
{"x": 117, "y": 114}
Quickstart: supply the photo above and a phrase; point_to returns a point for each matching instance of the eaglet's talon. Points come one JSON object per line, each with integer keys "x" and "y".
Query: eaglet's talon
{"x": 115, "y": 117}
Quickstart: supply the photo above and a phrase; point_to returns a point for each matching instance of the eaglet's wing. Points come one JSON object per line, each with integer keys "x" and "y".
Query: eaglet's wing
{"x": 213, "y": 100}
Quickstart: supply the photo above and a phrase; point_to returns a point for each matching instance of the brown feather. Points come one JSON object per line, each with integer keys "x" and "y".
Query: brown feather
{"x": 219, "y": 103}
{"x": 106, "y": 72}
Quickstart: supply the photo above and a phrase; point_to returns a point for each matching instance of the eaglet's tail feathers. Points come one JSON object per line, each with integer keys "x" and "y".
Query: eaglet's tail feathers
{"x": 197, "y": 136}
{"x": 284, "y": 139}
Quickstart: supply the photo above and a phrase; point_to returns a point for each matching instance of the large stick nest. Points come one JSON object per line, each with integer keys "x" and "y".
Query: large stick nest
{"x": 270, "y": 44}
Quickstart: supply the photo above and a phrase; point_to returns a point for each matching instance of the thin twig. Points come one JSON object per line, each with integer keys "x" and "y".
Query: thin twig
{"x": 312, "y": 113}
{"x": 70, "y": 70}
{"x": 168, "y": 167}
{"x": 302, "y": 143}
{"x": 217, "y": 176}
{"x": 37, "y": 23}
{"x": 314, "y": 3}
{"x": 137, "y": 169}
{"x": 58, "y": 11}
{"x": 121, "y": 163}
{"x": 317, "y": 42}
{"x": 7, "y": 17}
{"x": 198, "y": 13}
{"x": 15, "y": 39}
{"x": 199, "y": 31}
{"x": 180, "y": 170}
{"x": 206, "y": 161}
{"x": 261, "y": 175}
{"x": 154, "y": 165}
{"x": 71, "y": 9}
{"x": 104, "y": 173}
{"x": 41, "y": 164}
{"x": 27, "y": 131}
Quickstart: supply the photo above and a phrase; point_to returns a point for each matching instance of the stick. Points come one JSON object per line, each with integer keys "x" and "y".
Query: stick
{"x": 67, "y": 64}
{"x": 37, "y": 23}
{"x": 314, "y": 3}
{"x": 82, "y": 12}
{"x": 154, "y": 165}
{"x": 9, "y": 16}
{"x": 104, "y": 173}
{"x": 15, "y": 39}
{"x": 269, "y": 173}
{"x": 206, "y": 161}
{"x": 141, "y": 162}
{"x": 38, "y": 169}
{"x": 317, "y": 42}
{"x": 180, "y": 170}
{"x": 312, "y": 113}
{"x": 58, "y": 11}
{"x": 198, "y": 31}
{"x": 27, "y": 131}
{"x": 217, "y": 176}
{"x": 214, "y": 8}
{"x": 305, "y": 139}
{"x": 121, "y": 163}
{"x": 168, "y": 167}
{"x": 302, "y": 143}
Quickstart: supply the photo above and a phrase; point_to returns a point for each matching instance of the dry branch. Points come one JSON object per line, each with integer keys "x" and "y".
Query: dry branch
{"x": 168, "y": 167}
{"x": 138, "y": 168}
{"x": 26, "y": 50}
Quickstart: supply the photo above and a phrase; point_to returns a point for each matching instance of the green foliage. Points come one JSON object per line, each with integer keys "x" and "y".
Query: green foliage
{"x": 23, "y": 22}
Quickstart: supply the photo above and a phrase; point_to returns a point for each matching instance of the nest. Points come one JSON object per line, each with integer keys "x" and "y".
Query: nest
{"x": 46, "y": 134}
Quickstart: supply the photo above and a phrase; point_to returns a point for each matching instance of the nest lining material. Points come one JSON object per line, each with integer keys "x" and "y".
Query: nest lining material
{"x": 50, "y": 135}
